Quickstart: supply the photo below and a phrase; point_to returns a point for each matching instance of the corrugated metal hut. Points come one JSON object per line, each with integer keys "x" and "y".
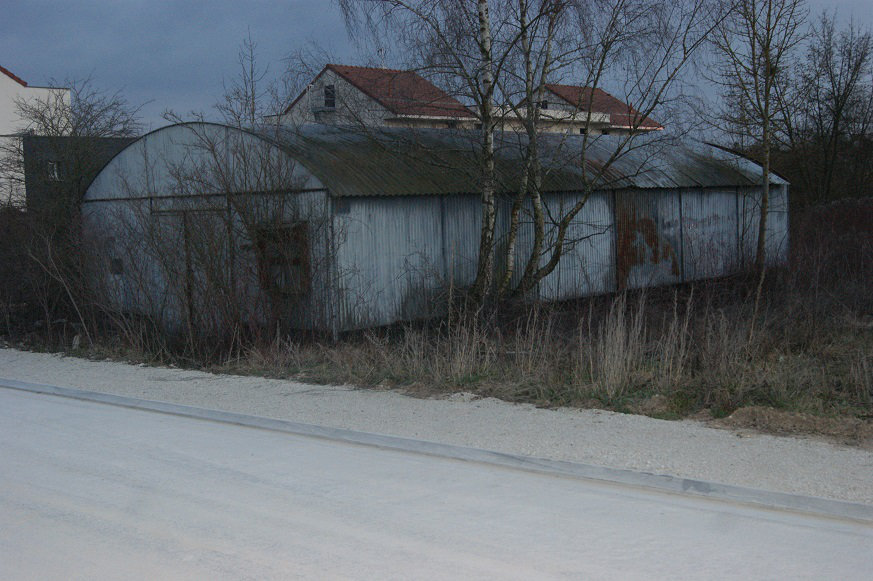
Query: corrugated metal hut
{"x": 337, "y": 228}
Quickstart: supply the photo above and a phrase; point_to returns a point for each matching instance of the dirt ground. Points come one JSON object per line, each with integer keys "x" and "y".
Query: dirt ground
{"x": 844, "y": 430}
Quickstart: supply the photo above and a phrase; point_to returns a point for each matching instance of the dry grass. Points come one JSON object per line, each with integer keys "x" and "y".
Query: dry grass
{"x": 694, "y": 357}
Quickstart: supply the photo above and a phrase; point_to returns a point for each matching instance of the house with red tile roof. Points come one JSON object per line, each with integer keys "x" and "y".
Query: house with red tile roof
{"x": 349, "y": 95}
{"x": 608, "y": 114}
{"x": 574, "y": 109}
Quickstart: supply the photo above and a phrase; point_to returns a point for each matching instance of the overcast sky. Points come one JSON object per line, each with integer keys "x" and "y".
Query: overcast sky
{"x": 176, "y": 54}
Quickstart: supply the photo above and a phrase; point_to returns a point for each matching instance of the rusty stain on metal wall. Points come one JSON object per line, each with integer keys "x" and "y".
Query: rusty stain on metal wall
{"x": 645, "y": 253}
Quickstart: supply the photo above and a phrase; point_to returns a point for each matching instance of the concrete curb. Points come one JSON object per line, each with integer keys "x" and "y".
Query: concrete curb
{"x": 658, "y": 482}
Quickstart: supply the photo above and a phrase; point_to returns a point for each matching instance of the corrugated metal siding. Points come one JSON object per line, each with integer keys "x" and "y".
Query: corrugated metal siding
{"x": 461, "y": 219}
{"x": 776, "y": 245}
{"x": 179, "y": 175}
{"x": 710, "y": 246}
{"x": 777, "y": 226}
{"x": 588, "y": 264}
{"x": 390, "y": 261}
{"x": 184, "y": 159}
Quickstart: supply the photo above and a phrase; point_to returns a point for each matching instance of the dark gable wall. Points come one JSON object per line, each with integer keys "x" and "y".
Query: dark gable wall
{"x": 58, "y": 170}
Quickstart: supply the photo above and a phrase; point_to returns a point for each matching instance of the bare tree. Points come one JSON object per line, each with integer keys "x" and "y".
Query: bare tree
{"x": 254, "y": 98}
{"x": 499, "y": 57}
{"x": 457, "y": 42}
{"x": 835, "y": 101}
{"x": 755, "y": 45}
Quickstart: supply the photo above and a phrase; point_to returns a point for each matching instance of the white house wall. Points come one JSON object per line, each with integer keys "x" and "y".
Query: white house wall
{"x": 353, "y": 107}
{"x": 12, "y": 188}
{"x": 12, "y": 91}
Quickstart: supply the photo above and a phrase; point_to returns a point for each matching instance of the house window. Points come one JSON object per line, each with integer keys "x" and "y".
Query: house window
{"x": 283, "y": 259}
{"x": 52, "y": 171}
{"x": 330, "y": 96}
{"x": 583, "y": 130}
{"x": 605, "y": 132}
{"x": 544, "y": 104}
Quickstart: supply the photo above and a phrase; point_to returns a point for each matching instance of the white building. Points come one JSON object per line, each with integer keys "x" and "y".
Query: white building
{"x": 14, "y": 90}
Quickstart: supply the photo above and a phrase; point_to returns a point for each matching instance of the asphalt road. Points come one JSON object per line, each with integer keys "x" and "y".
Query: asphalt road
{"x": 92, "y": 491}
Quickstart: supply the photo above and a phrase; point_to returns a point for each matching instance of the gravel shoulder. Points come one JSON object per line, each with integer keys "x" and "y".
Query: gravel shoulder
{"x": 688, "y": 448}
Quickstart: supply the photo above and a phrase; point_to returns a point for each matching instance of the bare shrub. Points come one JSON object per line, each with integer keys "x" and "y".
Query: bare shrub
{"x": 723, "y": 358}
{"x": 674, "y": 346}
{"x": 861, "y": 374}
{"x": 612, "y": 357}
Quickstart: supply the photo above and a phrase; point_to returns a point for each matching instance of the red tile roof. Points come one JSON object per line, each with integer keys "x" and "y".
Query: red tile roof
{"x": 620, "y": 114}
{"x": 401, "y": 92}
{"x": 9, "y": 74}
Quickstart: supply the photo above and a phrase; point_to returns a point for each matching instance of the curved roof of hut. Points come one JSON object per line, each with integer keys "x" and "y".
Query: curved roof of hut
{"x": 401, "y": 161}
{"x": 356, "y": 161}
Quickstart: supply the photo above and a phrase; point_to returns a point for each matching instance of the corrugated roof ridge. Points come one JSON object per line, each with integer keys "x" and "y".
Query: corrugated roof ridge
{"x": 13, "y": 76}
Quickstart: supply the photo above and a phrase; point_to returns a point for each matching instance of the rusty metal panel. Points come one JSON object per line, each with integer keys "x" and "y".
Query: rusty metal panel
{"x": 648, "y": 238}
{"x": 710, "y": 247}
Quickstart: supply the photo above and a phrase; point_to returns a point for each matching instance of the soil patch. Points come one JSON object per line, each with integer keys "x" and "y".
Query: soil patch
{"x": 846, "y": 430}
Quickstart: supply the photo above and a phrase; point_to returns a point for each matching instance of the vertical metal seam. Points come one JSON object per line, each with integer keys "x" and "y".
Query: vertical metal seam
{"x": 332, "y": 272}
{"x": 231, "y": 246}
{"x": 615, "y": 241}
{"x": 682, "y": 238}
{"x": 443, "y": 240}
{"x": 739, "y": 245}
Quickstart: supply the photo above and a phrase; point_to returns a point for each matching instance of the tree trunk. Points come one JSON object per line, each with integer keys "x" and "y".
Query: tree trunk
{"x": 485, "y": 272}
{"x": 761, "y": 254}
